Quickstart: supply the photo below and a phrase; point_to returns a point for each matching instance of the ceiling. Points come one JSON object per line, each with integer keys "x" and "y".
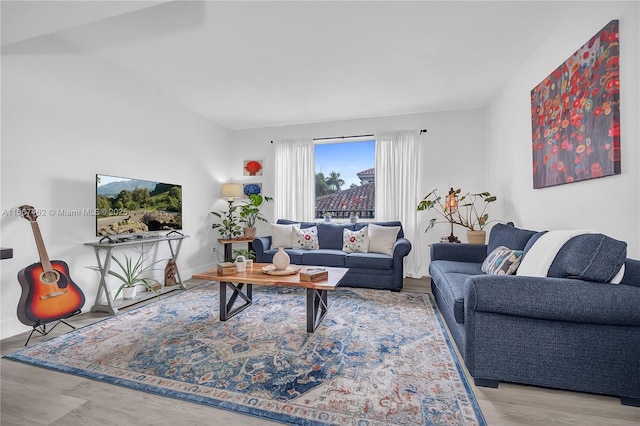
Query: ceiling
{"x": 257, "y": 64}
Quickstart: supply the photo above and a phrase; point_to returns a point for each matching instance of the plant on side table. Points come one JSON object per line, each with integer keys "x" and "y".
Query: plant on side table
{"x": 229, "y": 223}
{"x": 249, "y": 256}
{"x": 461, "y": 211}
{"x": 250, "y": 213}
{"x": 133, "y": 274}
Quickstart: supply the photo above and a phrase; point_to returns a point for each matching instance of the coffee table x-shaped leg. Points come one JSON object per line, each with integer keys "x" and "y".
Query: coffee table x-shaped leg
{"x": 317, "y": 305}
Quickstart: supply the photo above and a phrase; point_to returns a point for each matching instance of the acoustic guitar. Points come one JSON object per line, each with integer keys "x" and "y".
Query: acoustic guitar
{"x": 48, "y": 293}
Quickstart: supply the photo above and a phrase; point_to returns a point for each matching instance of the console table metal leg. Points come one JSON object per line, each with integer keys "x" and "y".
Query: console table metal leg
{"x": 316, "y": 308}
{"x": 226, "y": 307}
{"x": 103, "y": 301}
{"x": 174, "y": 256}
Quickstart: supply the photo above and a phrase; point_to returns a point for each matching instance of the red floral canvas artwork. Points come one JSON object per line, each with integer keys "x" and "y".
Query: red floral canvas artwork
{"x": 575, "y": 115}
{"x": 252, "y": 168}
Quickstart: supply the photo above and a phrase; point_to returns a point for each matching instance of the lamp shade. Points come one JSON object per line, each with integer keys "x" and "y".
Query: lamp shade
{"x": 231, "y": 191}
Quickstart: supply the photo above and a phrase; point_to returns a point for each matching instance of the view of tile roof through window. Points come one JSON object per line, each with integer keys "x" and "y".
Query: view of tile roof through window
{"x": 345, "y": 179}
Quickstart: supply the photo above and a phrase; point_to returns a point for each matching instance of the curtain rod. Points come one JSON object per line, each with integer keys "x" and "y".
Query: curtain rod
{"x": 354, "y": 136}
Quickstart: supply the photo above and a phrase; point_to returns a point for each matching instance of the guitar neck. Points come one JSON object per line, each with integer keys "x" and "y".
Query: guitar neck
{"x": 42, "y": 252}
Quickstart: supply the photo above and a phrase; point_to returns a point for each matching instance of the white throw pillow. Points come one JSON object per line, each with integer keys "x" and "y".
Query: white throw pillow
{"x": 355, "y": 241}
{"x": 306, "y": 238}
{"x": 282, "y": 235}
{"x": 382, "y": 238}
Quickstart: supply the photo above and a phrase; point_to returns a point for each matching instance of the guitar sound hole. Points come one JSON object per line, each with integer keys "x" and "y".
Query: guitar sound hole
{"x": 50, "y": 277}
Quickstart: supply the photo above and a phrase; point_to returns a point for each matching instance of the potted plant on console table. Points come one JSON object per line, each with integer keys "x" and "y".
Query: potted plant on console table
{"x": 461, "y": 211}
{"x": 132, "y": 275}
{"x": 250, "y": 213}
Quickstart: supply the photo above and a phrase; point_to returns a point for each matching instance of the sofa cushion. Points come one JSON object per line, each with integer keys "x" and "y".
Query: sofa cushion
{"x": 282, "y": 235}
{"x": 393, "y": 223}
{"x": 300, "y": 224}
{"x": 449, "y": 277}
{"x": 508, "y": 236}
{"x": 382, "y": 238}
{"x": 305, "y": 238}
{"x": 590, "y": 257}
{"x": 355, "y": 241}
{"x": 368, "y": 260}
{"x": 323, "y": 257}
{"x": 579, "y": 254}
{"x": 502, "y": 261}
{"x": 330, "y": 234}
{"x": 295, "y": 255}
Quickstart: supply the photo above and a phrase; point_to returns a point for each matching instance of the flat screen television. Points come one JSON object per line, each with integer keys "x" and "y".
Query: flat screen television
{"x": 127, "y": 206}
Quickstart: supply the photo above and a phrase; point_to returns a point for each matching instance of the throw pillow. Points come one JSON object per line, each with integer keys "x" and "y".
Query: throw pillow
{"x": 382, "y": 238}
{"x": 306, "y": 239}
{"x": 578, "y": 254}
{"x": 502, "y": 261}
{"x": 282, "y": 235}
{"x": 355, "y": 241}
{"x": 591, "y": 257}
{"x": 508, "y": 236}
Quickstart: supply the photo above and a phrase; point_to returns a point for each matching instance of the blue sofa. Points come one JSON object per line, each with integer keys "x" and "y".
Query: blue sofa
{"x": 560, "y": 332}
{"x": 370, "y": 270}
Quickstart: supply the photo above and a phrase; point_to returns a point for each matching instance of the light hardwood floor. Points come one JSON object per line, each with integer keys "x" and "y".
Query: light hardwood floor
{"x": 36, "y": 396}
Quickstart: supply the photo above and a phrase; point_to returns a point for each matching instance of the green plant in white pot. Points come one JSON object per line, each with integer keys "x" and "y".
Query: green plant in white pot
{"x": 133, "y": 274}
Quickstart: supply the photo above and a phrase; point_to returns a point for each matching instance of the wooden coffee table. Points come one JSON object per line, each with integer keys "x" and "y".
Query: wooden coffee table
{"x": 316, "y": 291}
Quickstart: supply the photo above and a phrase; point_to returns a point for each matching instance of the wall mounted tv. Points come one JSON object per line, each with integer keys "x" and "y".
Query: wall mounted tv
{"x": 136, "y": 207}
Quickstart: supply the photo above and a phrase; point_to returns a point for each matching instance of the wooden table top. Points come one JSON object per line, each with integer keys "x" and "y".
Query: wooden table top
{"x": 256, "y": 276}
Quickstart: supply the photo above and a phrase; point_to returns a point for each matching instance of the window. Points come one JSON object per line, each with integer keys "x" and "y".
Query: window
{"x": 345, "y": 178}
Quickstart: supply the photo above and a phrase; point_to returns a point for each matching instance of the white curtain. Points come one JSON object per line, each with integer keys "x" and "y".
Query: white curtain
{"x": 295, "y": 187}
{"x": 397, "y": 161}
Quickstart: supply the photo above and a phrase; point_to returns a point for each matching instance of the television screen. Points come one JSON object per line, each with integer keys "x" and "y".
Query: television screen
{"x": 135, "y": 206}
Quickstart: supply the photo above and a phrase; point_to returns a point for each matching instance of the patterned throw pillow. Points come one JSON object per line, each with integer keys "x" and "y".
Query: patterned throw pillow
{"x": 306, "y": 238}
{"x": 355, "y": 241}
{"x": 502, "y": 261}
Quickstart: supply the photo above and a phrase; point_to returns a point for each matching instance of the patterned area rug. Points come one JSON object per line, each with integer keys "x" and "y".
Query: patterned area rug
{"x": 378, "y": 358}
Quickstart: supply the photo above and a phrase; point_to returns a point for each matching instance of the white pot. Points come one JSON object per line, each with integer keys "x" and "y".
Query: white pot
{"x": 241, "y": 264}
{"x": 128, "y": 292}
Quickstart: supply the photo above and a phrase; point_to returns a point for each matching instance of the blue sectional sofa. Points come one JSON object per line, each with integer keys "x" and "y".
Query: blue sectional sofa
{"x": 368, "y": 269}
{"x": 569, "y": 330}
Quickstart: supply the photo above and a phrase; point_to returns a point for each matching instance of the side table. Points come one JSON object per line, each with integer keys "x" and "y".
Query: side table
{"x": 228, "y": 243}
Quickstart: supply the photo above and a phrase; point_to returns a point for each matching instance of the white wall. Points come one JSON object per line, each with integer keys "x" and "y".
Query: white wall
{"x": 609, "y": 205}
{"x": 66, "y": 117}
{"x": 453, "y": 155}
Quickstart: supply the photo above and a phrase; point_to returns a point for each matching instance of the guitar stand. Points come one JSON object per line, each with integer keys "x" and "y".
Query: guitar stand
{"x": 42, "y": 327}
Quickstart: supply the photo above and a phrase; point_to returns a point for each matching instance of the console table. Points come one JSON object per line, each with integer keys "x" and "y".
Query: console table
{"x": 104, "y": 253}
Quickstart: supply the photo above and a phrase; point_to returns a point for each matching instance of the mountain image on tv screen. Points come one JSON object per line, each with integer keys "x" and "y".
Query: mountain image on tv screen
{"x": 135, "y": 206}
